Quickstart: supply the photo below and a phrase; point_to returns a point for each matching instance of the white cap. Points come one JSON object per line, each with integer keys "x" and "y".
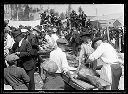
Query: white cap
{"x": 24, "y": 30}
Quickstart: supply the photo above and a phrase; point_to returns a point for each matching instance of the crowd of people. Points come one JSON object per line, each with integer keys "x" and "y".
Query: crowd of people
{"x": 22, "y": 45}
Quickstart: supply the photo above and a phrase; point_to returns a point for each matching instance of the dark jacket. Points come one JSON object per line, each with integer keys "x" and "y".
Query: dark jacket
{"x": 34, "y": 43}
{"x": 25, "y": 54}
{"x": 16, "y": 77}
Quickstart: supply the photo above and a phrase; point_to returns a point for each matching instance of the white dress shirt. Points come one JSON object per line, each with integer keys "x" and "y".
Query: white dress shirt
{"x": 59, "y": 57}
{"x": 20, "y": 42}
{"x": 106, "y": 52}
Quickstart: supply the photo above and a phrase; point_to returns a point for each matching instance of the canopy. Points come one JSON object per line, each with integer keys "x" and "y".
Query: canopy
{"x": 24, "y": 23}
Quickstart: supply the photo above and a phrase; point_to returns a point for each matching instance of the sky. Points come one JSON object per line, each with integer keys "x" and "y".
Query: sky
{"x": 89, "y": 9}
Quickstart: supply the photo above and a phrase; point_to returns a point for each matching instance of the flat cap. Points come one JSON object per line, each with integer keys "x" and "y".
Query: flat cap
{"x": 50, "y": 66}
{"x": 62, "y": 41}
{"x": 11, "y": 57}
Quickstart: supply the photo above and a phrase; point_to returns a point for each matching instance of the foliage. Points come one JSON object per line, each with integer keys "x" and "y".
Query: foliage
{"x": 62, "y": 16}
{"x": 80, "y": 9}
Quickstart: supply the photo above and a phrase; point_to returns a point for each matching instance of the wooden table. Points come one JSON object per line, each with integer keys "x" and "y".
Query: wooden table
{"x": 82, "y": 85}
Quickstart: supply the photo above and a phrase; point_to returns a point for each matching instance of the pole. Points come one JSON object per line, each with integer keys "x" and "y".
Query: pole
{"x": 97, "y": 18}
{"x": 108, "y": 31}
{"x": 17, "y": 12}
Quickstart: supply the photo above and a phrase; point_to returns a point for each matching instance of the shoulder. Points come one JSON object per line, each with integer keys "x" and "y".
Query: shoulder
{"x": 20, "y": 69}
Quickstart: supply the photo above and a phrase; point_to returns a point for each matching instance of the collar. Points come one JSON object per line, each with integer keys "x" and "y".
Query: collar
{"x": 20, "y": 42}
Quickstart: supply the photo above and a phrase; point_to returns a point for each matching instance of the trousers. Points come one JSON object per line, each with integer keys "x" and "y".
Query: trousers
{"x": 116, "y": 74}
{"x": 31, "y": 75}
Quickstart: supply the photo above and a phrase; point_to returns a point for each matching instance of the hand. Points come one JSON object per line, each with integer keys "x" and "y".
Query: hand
{"x": 17, "y": 53}
{"x": 88, "y": 61}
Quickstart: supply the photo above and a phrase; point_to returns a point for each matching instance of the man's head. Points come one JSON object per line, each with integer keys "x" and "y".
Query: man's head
{"x": 50, "y": 66}
{"x": 86, "y": 39}
{"x": 11, "y": 59}
{"x": 17, "y": 35}
{"x": 62, "y": 43}
{"x": 96, "y": 42}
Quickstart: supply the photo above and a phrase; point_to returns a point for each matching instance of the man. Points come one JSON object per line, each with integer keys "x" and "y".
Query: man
{"x": 15, "y": 76}
{"x": 111, "y": 70}
{"x": 86, "y": 48}
{"x": 33, "y": 39}
{"x": 59, "y": 57}
{"x": 52, "y": 80}
{"x": 23, "y": 49}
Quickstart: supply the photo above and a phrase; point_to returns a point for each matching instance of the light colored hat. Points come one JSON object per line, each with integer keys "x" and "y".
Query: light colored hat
{"x": 11, "y": 57}
{"x": 50, "y": 66}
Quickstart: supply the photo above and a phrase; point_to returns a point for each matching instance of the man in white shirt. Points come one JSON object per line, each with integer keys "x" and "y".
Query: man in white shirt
{"x": 59, "y": 56}
{"x": 111, "y": 70}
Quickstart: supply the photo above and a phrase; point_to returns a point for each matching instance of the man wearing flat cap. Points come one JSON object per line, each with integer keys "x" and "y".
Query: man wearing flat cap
{"x": 15, "y": 76}
{"x": 52, "y": 80}
{"x": 59, "y": 57}
{"x": 111, "y": 70}
{"x": 23, "y": 49}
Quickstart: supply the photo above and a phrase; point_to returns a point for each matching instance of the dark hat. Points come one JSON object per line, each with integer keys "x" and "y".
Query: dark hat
{"x": 62, "y": 41}
{"x": 85, "y": 34}
{"x": 95, "y": 40}
{"x": 16, "y": 33}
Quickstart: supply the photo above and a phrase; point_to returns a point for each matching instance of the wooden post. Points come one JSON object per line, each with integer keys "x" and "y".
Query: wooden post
{"x": 119, "y": 42}
{"x": 108, "y": 31}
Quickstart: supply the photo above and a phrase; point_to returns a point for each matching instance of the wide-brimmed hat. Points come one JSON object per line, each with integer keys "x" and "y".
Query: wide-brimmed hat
{"x": 16, "y": 33}
{"x": 62, "y": 41}
{"x": 95, "y": 40}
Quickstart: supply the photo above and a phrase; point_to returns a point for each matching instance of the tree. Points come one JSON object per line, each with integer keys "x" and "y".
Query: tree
{"x": 52, "y": 11}
{"x": 26, "y": 12}
{"x": 56, "y": 14}
{"x": 80, "y": 9}
{"x": 62, "y": 16}
{"x": 69, "y": 9}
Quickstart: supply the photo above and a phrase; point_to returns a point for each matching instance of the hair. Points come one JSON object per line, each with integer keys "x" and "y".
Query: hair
{"x": 13, "y": 62}
{"x": 86, "y": 39}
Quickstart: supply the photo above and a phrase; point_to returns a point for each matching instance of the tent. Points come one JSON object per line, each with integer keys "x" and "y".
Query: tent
{"x": 24, "y": 23}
